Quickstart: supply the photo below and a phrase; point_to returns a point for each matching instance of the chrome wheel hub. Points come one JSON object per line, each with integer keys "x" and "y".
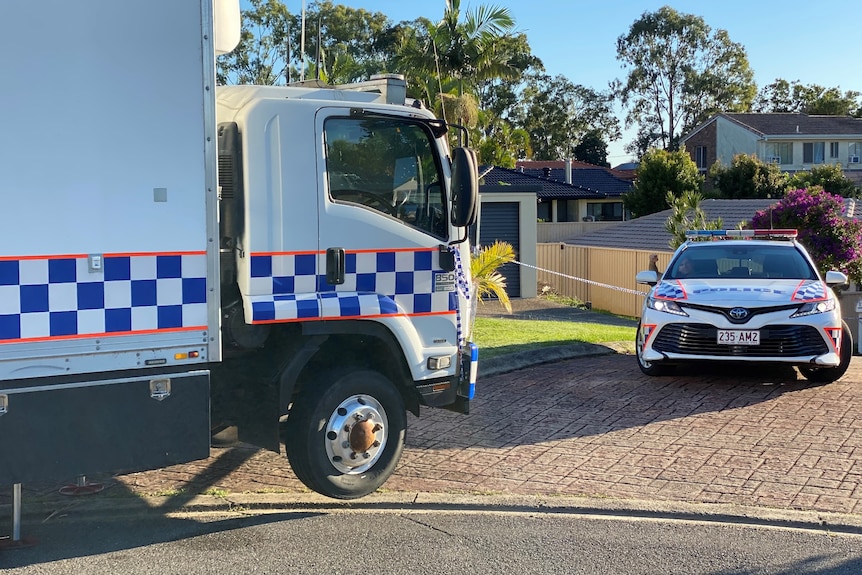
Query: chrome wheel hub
{"x": 356, "y": 434}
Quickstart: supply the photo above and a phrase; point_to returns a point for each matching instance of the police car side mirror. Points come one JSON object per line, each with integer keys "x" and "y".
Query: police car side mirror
{"x": 835, "y": 278}
{"x": 647, "y": 277}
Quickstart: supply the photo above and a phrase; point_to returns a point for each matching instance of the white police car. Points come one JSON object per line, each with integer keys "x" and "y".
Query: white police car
{"x": 754, "y": 296}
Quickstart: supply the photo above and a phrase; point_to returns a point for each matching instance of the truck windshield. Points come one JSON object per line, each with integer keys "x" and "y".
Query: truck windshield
{"x": 388, "y": 165}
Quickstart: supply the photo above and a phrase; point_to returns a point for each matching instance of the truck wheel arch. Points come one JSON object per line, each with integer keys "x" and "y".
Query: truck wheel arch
{"x": 325, "y": 338}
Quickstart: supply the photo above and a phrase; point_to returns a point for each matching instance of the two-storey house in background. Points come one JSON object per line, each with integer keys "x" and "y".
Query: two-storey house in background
{"x": 795, "y": 142}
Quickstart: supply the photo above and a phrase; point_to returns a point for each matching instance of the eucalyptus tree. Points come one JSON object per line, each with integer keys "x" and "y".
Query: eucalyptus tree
{"x": 498, "y": 142}
{"x": 680, "y": 72}
{"x": 342, "y": 44}
{"x": 261, "y": 57}
{"x": 559, "y": 114}
{"x": 345, "y": 44}
{"x": 592, "y": 149}
{"x": 784, "y": 96}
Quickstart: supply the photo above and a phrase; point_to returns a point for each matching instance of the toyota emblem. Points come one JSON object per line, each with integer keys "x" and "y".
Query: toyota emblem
{"x": 739, "y": 313}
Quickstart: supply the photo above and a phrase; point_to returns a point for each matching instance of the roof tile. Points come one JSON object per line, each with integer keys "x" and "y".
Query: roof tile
{"x": 648, "y": 232}
{"x": 497, "y": 178}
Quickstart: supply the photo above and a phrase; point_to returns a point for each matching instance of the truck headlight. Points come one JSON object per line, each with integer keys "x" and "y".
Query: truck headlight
{"x": 665, "y": 305}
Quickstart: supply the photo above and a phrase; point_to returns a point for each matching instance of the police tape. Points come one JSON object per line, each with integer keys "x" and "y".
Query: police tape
{"x": 584, "y": 280}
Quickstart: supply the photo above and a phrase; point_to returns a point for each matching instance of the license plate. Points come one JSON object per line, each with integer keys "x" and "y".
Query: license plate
{"x": 738, "y": 337}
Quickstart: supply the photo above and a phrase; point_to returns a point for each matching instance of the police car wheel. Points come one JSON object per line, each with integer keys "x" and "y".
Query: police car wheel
{"x": 830, "y": 374}
{"x": 649, "y": 368}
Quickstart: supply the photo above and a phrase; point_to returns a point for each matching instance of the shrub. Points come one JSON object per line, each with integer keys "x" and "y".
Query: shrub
{"x": 833, "y": 241}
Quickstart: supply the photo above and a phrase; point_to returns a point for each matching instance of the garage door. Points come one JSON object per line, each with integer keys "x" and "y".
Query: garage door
{"x": 501, "y": 221}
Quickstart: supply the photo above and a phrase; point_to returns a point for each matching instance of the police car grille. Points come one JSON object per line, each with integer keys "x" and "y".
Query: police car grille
{"x": 775, "y": 341}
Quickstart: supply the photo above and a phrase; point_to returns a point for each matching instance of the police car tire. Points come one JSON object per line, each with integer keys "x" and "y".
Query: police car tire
{"x": 651, "y": 369}
{"x": 830, "y": 374}
{"x": 306, "y": 426}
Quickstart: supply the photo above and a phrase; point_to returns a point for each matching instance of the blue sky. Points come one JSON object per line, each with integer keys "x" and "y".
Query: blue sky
{"x": 813, "y": 42}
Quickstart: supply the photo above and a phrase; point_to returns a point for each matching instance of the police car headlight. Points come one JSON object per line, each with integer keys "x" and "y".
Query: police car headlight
{"x": 665, "y": 305}
{"x": 813, "y": 307}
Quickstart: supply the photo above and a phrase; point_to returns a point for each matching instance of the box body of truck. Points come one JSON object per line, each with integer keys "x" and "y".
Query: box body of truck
{"x": 108, "y": 271}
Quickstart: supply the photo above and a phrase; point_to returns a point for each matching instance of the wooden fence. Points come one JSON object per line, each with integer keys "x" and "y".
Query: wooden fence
{"x": 560, "y": 231}
{"x": 602, "y": 276}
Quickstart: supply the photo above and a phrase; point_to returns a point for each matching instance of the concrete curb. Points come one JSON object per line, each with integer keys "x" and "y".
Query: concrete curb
{"x": 524, "y": 359}
{"x": 421, "y": 502}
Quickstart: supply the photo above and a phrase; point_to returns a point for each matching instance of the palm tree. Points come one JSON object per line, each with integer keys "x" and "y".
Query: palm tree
{"x": 489, "y": 281}
{"x": 468, "y": 49}
{"x": 687, "y": 215}
{"x": 453, "y": 55}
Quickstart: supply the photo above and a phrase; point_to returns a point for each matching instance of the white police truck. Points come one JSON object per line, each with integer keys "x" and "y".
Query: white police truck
{"x": 288, "y": 262}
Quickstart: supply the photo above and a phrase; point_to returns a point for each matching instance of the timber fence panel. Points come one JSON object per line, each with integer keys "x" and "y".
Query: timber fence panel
{"x": 570, "y": 270}
{"x": 560, "y": 231}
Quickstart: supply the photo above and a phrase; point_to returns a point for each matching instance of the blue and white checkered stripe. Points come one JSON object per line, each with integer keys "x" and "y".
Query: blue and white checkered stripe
{"x": 463, "y": 289}
{"x": 287, "y": 287}
{"x": 669, "y": 290}
{"x": 810, "y": 290}
{"x": 59, "y": 297}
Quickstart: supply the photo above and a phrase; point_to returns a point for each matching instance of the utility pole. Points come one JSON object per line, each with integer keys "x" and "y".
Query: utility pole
{"x": 302, "y": 45}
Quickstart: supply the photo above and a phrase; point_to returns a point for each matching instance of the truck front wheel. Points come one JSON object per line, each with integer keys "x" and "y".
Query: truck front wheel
{"x": 345, "y": 437}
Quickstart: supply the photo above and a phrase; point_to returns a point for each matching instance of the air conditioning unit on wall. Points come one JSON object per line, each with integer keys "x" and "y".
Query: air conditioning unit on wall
{"x": 774, "y": 159}
{"x": 854, "y": 159}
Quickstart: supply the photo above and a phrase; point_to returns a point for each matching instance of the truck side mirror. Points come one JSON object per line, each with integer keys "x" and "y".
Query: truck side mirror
{"x": 227, "y": 25}
{"x": 465, "y": 187}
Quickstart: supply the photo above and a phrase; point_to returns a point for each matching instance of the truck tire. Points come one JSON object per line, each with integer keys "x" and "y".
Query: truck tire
{"x": 830, "y": 374}
{"x": 345, "y": 437}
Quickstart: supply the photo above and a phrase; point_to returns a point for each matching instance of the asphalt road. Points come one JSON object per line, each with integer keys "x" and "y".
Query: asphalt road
{"x": 612, "y": 471}
{"x": 400, "y": 541}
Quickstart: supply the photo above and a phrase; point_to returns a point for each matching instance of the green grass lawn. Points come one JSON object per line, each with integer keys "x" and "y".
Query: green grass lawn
{"x": 496, "y": 336}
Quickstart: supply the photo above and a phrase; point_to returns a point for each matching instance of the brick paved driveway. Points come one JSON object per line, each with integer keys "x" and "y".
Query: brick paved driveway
{"x": 596, "y": 426}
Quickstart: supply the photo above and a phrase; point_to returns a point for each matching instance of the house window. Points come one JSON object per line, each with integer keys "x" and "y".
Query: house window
{"x": 543, "y": 211}
{"x": 855, "y": 155}
{"x": 779, "y": 152}
{"x": 605, "y": 211}
{"x": 813, "y": 152}
{"x": 562, "y": 211}
{"x": 833, "y": 149}
{"x": 700, "y": 157}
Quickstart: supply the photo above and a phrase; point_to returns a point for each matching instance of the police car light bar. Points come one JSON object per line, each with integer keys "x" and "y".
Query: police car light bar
{"x": 726, "y": 234}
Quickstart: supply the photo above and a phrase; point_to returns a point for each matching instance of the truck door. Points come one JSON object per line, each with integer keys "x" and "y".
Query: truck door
{"x": 383, "y": 220}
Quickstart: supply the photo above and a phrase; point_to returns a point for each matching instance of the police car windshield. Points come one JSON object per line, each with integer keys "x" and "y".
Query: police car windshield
{"x": 752, "y": 259}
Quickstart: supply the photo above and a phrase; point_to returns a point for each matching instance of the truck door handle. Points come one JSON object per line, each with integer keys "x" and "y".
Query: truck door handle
{"x": 335, "y": 266}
